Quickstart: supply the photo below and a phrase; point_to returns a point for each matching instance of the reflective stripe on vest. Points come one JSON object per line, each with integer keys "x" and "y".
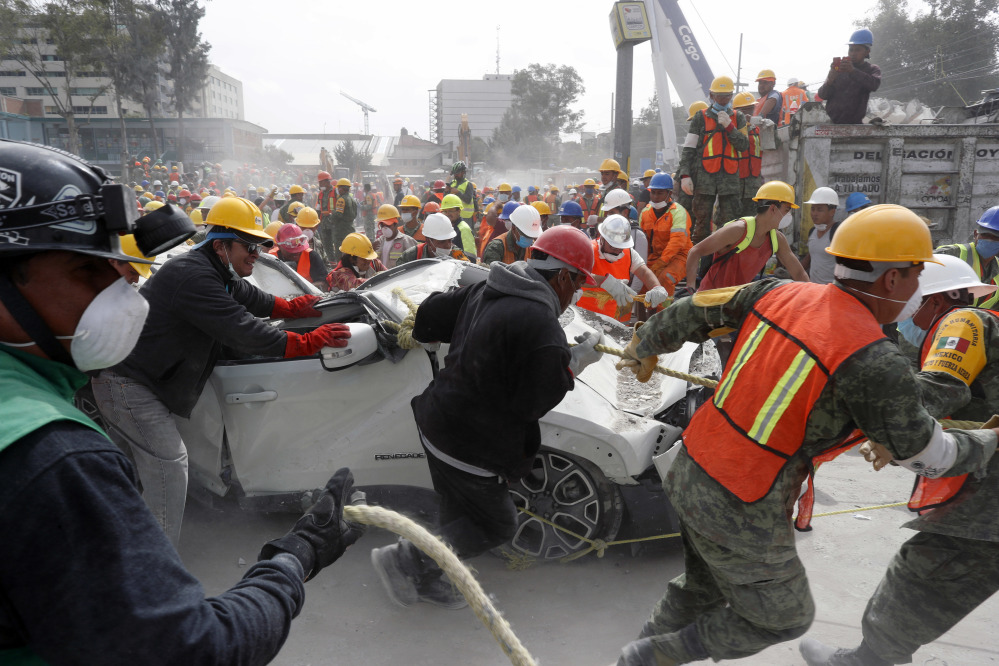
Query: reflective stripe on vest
{"x": 969, "y": 255}
{"x": 718, "y": 150}
{"x": 596, "y": 299}
{"x": 467, "y": 209}
{"x": 593, "y": 208}
{"x": 325, "y": 199}
{"x": 750, "y": 232}
{"x": 751, "y": 160}
{"x": 509, "y": 255}
{"x": 788, "y": 347}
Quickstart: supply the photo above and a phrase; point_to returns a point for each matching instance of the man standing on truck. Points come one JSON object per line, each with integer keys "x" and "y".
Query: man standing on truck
{"x": 709, "y": 163}
{"x": 770, "y": 104}
{"x": 981, "y": 253}
{"x": 851, "y": 81}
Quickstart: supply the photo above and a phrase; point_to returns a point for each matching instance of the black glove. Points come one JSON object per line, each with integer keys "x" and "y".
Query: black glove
{"x": 322, "y": 535}
{"x": 682, "y": 292}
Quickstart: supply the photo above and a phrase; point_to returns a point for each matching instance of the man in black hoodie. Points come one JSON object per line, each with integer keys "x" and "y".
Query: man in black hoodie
{"x": 505, "y": 340}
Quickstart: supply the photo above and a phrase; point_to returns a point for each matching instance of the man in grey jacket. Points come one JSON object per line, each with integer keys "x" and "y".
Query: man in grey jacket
{"x": 197, "y": 303}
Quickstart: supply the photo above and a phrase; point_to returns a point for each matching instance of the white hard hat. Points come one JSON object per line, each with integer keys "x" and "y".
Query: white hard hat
{"x": 616, "y": 199}
{"x": 616, "y": 230}
{"x": 572, "y": 191}
{"x": 824, "y": 195}
{"x": 527, "y": 219}
{"x": 438, "y": 227}
{"x": 950, "y": 274}
{"x": 792, "y": 81}
{"x": 208, "y": 202}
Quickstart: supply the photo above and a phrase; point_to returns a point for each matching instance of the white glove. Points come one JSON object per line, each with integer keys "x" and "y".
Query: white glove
{"x": 687, "y": 185}
{"x": 656, "y": 297}
{"x": 767, "y": 122}
{"x": 583, "y": 353}
{"x": 724, "y": 119}
{"x": 756, "y": 121}
{"x": 621, "y": 292}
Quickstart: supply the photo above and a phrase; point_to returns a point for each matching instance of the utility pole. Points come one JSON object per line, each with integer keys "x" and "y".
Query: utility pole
{"x": 629, "y": 26}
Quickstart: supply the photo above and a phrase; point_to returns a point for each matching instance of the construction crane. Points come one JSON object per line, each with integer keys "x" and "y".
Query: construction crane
{"x": 365, "y": 107}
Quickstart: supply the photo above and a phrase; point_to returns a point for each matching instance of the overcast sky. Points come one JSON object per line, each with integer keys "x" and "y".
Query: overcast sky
{"x": 295, "y": 56}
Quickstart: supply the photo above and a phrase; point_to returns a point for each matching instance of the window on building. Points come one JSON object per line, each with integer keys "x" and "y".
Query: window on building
{"x": 12, "y": 72}
{"x": 9, "y": 92}
{"x": 51, "y": 109}
{"x": 88, "y": 110}
{"x": 52, "y": 58}
{"x": 55, "y": 75}
{"x": 35, "y": 91}
{"x": 87, "y": 92}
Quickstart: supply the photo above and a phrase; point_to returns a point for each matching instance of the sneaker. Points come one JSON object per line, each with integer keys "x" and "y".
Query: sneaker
{"x": 441, "y": 592}
{"x": 400, "y": 587}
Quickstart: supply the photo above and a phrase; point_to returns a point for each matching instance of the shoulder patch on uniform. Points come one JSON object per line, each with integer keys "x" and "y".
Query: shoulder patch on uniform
{"x": 720, "y": 296}
{"x": 958, "y": 348}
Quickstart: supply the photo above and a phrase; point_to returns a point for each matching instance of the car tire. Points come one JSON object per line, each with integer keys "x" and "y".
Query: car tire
{"x": 570, "y": 492}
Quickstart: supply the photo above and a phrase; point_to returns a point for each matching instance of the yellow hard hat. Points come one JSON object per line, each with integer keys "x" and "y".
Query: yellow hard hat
{"x": 195, "y": 216}
{"x": 307, "y": 218}
{"x": 228, "y": 194}
{"x": 152, "y": 205}
{"x": 723, "y": 85}
{"x": 343, "y": 182}
{"x": 410, "y": 201}
{"x": 129, "y": 247}
{"x": 622, "y": 176}
{"x": 238, "y": 214}
{"x": 609, "y": 165}
{"x": 589, "y": 181}
{"x": 296, "y": 189}
{"x": 358, "y": 245}
{"x": 542, "y": 207}
{"x": 387, "y": 212}
{"x": 648, "y": 174}
{"x": 694, "y": 108}
{"x": 505, "y": 187}
{"x": 272, "y": 229}
{"x": 776, "y": 190}
{"x": 766, "y": 75}
{"x": 886, "y": 232}
{"x": 743, "y": 99}
{"x": 295, "y": 207}
{"x": 261, "y": 191}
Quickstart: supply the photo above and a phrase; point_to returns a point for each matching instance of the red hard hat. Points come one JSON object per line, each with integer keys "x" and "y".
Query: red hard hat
{"x": 184, "y": 194}
{"x": 438, "y": 185}
{"x": 570, "y": 245}
{"x": 432, "y": 207}
{"x": 324, "y": 175}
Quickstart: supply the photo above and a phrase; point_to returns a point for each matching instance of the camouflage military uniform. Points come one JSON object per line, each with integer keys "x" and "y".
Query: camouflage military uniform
{"x": 726, "y": 186}
{"x": 344, "y": 212}
{"x": 744, "y": 587}
{"x": 988, "y": 271}
{"x": 952, "y": 565}
{"x": 495, "y": 250}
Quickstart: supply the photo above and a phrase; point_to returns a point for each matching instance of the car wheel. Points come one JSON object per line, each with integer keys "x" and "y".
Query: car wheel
{"x": 570, "y": 492}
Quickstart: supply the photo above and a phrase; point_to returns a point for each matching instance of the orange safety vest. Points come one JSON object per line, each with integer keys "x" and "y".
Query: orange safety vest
{"x": 593, "y": 208}
{"x": 930, "y": 493}
{"x": 794, "y": 97}
{"x": 718, "y": 150}
{"x": 326, "y": 202}
{"x": 751, "y": 160}
{"x": 304, "y": 266}
{"x": 620, "y": 269}
{"x": 788, "y": 347}
{"x": 456, "y": 253}
{"x": 508, "y": 256}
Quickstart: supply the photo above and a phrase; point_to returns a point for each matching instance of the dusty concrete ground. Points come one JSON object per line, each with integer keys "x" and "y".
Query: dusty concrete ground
{"x": 579, "y": 613}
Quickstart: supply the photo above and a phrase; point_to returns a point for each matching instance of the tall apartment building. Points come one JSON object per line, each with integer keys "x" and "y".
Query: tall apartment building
{"x": 485, "y": 101}
{"x": 222, "y": 97}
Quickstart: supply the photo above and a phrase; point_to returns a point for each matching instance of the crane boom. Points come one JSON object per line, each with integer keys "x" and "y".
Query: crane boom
{"x": 364, "y": 107}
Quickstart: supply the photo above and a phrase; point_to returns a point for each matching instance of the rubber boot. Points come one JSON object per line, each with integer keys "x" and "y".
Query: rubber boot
{"x": 437, "y": 589}
{"x": 819, "y": 654}
{"x": 643, "y": 653}
{"x": 397, "y": 573}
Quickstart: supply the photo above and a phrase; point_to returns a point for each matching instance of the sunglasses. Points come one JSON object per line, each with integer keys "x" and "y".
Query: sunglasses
{"x": 251, "y": 248}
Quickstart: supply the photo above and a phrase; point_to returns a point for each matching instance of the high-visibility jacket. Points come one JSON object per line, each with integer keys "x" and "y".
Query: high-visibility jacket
{"x": 739, "y": 266}
{"x": 668, "y": 233}
{"x": 552, "y": 200}
{"x": 788, "y": 347}
{"x": 969, "y": 255}
{"x": 620, "y": 269}
{"x": 590, "y": 207}
{"x": 931, "y": 493}
{"x": 326, "y": 202}
{"x": 751, "y": 160}
{"x": 792, "y": 99}
{"x": 531, "y": 198}
{"x": 718, "y": 151}
{"x": 510, "y": 248}
{"x": 467, "y": 208}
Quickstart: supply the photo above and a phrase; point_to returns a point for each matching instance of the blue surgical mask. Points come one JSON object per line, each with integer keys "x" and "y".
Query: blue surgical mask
{"x": 987, "y": 248}
{"x": 525, "y": 241}
{"x": 719, "y": 108}
{"x": 912, "y": 333}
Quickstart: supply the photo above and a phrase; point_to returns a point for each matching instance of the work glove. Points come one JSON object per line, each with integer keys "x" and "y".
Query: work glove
{"x": 273, "y": 192}
{"x": 767, "y": 122}
{"x": 619, "y": 290}
{"x": 296, "y": 308}
{"x": 724, "y": 119}
{"x": 583, "y": 353}
{"x": 682, "y": 292}
{"x": 307, "y": 344}
{"x": 322, "y": 535}
{"x": 756, "y": 121}
{"x": 687, "y": 185}
{"x": 876, "y": 454}
{"x": 642, "y": 367}
{"x": 655, "y": 297}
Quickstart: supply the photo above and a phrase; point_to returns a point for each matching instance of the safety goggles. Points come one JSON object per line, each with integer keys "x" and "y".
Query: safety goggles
{"x": 298, "y": 241}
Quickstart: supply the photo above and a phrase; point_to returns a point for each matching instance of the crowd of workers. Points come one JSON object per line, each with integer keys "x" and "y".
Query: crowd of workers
{"x": 793, "y": 393}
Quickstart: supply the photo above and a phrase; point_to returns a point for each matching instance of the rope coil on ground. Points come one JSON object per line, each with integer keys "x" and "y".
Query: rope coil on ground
{"x": 452, "y": 566}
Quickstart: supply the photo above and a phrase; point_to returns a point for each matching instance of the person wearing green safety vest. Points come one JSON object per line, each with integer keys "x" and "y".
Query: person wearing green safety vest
{"x": 465, "y": 191}
{"x": 452, "y": 207}
{"x": 981, "y": 253}
{"x": 88, "y": 575}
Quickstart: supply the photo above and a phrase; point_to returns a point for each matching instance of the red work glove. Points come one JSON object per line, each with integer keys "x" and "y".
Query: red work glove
{"x": 296, "y": 308}
{"x": 307, "y": 344}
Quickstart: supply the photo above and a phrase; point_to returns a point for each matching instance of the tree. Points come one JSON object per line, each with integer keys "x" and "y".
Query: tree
{"x": 347, "y": 155}
{"x": 944, "y": 56}
{"x": 274, "y": 158}
{"x": 65, "y": 32}
{"x": 187, "y": 54}
{"x": 541, "y": 109}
